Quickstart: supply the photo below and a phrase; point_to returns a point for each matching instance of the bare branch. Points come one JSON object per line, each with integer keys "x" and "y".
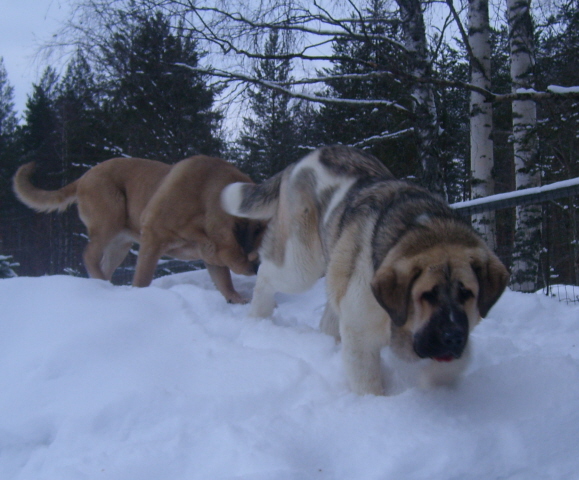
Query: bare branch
{"x": 240, "y": 77}
{"x": 294, "y": 24}
{"x": 464, "y": 36}
{"x": 383, "y": 136}
{"x": 551, "y": 94}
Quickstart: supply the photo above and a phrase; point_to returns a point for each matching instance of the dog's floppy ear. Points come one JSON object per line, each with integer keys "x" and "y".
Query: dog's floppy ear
{"x": 392, "y": 289}
{"x": 492, "y": 277}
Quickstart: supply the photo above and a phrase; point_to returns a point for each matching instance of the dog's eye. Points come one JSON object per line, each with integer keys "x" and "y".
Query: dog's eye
{"x": 431, "y": 296}
{"x": 464, "y": 294}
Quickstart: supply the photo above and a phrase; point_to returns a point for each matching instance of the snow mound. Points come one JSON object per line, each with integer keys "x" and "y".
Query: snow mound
{"x": 170, "y": 382}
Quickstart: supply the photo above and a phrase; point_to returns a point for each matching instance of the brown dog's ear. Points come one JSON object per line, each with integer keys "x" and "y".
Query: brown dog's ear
{"x": 492, "y": 278}
{"x": 392, "y": 290}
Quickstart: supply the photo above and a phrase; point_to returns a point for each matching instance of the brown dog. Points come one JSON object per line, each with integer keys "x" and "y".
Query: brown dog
{"x": 170, "y": 210}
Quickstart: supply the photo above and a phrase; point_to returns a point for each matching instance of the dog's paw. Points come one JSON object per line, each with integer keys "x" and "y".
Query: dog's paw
{"x": 237, "y": 299}
{"x": 261, "y": 310}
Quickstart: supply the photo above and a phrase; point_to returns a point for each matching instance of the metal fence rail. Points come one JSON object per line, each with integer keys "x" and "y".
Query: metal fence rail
{"x": 560, "y": 243}
{"x": 529, "y": 196}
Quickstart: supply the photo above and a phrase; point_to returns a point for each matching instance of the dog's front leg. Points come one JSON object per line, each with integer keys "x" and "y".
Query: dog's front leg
{"x": 221, "y": 277}
{"x": 263, "y": 302}
{"x": 329, "y": 323}
{"x": 364, "y": 331}
{"x": 361, "y": 357}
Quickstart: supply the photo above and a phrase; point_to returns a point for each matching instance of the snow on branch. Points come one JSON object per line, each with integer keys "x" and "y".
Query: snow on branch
{"x": 552, "y": 92}
{"x": 383, "y": 136}
{"x": 241, "y": 77}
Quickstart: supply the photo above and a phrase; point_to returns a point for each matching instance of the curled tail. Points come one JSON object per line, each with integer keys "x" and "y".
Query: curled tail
{"x": 38, "y": 199}
{"x": 248, "y": 200}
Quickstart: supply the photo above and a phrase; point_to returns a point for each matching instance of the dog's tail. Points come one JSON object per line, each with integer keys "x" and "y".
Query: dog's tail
{"x": 38, "y": 199}
{"x": 248, "y": 200}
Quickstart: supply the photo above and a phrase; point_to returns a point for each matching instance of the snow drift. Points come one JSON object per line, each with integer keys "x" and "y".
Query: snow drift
{"x": 170, "y": 382}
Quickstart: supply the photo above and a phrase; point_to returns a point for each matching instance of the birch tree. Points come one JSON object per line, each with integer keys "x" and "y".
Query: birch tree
{"x": 481, "y": 115}
{"x": 528, "y": 218}
{"x": 426, "y": 124}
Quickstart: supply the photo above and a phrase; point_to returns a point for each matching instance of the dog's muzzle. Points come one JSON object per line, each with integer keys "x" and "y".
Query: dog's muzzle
{"x": 255, "y": 267}
{"x": 444, "y": 337}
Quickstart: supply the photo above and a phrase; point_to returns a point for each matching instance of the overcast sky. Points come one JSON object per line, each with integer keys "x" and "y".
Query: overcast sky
{"x": 24, "y": 25}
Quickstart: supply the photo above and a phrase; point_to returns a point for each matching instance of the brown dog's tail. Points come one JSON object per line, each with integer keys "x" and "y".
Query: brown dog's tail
{"x": 38, "y": 199}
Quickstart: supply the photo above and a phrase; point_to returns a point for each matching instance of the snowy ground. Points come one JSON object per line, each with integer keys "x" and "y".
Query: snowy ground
{"x": 171, "y": 383}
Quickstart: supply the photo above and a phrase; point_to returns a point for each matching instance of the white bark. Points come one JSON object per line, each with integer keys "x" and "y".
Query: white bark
{"x": 426, "y": 126}
{"x": 528, "y": 225}
{"x": 481, "y": 116}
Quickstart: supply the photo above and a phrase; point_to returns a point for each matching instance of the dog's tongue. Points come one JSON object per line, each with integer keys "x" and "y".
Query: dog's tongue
{"x": 444, "y": 358}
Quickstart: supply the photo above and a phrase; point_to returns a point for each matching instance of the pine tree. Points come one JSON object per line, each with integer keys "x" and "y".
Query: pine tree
{"x": 157, "y": 108}
{"x": 453, "y": 114}
{"x": 79, "y": 146}
{"x": 38, "y": 236}
{"x": 558, "y": 124}
{"x": 39, "y": 136}
{"x": 8, "y": 129}
{"x": 7, "y": 266}
{"x": 8, "y": 119}
{"x": 269, "y": 139}
{"x": 78, "y": 113}
{"x": 353, "y": 124}
{"x": 8, "y": 159}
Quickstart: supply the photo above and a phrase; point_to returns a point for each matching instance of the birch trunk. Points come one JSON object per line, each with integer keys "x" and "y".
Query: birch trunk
{"x": 481, "y": 117}
{"x": 526, "y": 252}
{"x": 426, "y": 124}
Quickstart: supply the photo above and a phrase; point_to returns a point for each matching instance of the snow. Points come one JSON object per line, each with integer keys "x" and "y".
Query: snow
{"x": 170, "y": 382}
{"x": 559, "y": 89}
{"x": 526, "y": 90}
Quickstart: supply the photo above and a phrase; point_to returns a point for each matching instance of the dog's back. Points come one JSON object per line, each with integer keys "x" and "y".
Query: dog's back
{"x": 325, "y": 170}
{"x": 117, "y": 191}
{"x": 299, "y": 202}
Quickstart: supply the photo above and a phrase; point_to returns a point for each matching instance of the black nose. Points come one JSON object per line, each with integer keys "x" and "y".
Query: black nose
{"x": 453, "y": 340}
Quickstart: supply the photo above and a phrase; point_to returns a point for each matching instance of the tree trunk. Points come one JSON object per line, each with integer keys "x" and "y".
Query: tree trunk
{"x": 526, "y": 251}
{"x": 481, "y": 117}
{"x": 426, "y": 124}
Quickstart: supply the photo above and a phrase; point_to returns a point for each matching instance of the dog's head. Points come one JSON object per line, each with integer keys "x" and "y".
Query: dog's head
{"x": 249, "y": 234}
{"x": 438, "y": 295}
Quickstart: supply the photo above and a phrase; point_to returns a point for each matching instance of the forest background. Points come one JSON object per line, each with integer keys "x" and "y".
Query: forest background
{"x": 467, "y": 98}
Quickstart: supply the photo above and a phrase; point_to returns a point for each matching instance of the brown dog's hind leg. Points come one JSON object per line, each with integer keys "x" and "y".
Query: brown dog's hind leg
{"x": 104, "y": 217}
{"x": 221, "y": 277}
{"x": 92, "y": 256}
{"x": 114, "y": 255}
{"x": 149, "y": 254}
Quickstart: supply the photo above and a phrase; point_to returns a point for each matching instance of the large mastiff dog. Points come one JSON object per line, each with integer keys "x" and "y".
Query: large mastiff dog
{"x": 169, "y": 210}
{"x": 401, "y": 268}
